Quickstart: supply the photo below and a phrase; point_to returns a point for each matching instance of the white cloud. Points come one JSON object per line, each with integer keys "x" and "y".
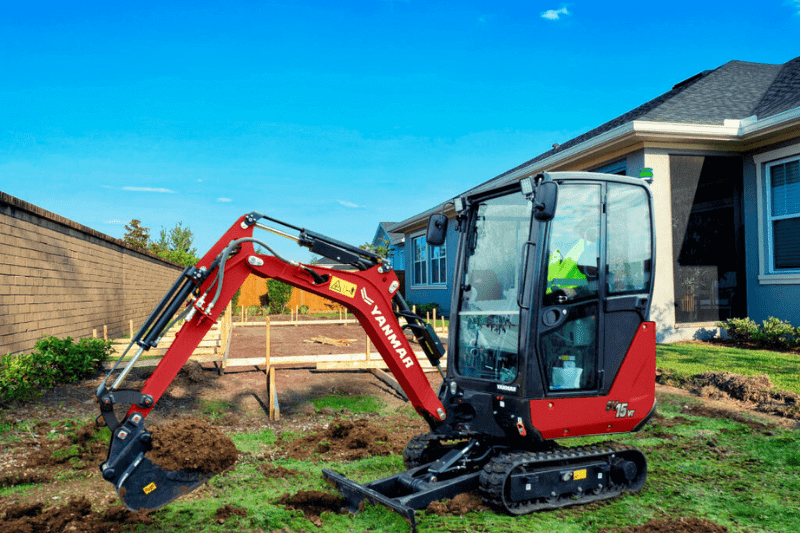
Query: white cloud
{"x": 148, "y": 189}
{"x": 554, "y": 14}
{"x": 224, "y": 200}
{"x": 115, "y": 221}
{"x": 349, "y": 204}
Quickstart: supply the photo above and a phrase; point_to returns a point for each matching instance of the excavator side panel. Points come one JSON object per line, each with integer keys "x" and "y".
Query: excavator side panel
{"x": 630, "y": 401}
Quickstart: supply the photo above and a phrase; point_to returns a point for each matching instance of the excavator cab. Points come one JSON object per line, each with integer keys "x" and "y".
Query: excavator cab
{"x": 553, "y": 281}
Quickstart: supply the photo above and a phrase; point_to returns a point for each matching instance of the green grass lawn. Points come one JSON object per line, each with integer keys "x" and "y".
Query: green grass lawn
{"x": 743, "y": 478}
{"x": 689, "y": 359}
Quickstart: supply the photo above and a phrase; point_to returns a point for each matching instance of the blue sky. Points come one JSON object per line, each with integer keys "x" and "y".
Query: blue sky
{"x": 329, "y": 115}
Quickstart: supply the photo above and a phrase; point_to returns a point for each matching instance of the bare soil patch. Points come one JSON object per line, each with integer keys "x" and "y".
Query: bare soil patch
{"x": 348, "y": 440}
{"x": 674, "y": 525}
{"x": 313, "y": 503}
{"x": 75, "y": 516}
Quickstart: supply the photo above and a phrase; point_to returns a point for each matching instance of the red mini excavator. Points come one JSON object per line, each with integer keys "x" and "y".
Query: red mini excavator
{"x": 549, "y": 339}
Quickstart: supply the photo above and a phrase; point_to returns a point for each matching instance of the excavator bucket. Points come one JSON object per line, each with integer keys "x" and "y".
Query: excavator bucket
{"x": 140, "y": 483}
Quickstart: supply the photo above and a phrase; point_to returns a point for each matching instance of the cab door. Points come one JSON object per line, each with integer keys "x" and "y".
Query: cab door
{"x": 595, "y": 284}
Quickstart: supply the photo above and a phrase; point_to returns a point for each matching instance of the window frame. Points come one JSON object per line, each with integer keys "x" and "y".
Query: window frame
{"x": 424, "y": 267}
{"x": 768, "y": 274}
{"x": 427, "y": 264}
{"x": 772, "y": 218}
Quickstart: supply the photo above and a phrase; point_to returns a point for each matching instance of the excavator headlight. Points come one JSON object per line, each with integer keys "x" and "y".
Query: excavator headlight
{"x": 527, "y": 186}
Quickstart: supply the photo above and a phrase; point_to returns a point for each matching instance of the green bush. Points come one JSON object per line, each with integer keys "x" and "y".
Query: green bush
{"x": 278, "y": 294}
{"x": 52, "y": 362}
{"x": 740, "y": 330}
{"x": 775, "y": 334}
{"x": 423, "y": 309}
{"x": 772, "y": 333}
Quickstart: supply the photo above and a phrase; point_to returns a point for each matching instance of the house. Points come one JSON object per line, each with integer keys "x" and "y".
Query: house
{"x": 724, "y": 149}
{"x": 384, "y": 236}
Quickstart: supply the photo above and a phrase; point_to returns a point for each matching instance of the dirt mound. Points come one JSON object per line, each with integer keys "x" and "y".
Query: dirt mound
{"x": 458, "y": 506}
{"x": 756, "y": 392}
{"x": 677, "y": 525}
{"x": 348, "y": 440}
{"x": 313, "y": 503}
{"x": 192, "y": 444}
{"x": 23, "y": 478}
{"x": 751, "y": 389}
{"x": 76, "y": 516}
{"x": 224, "y": 513}
{"x": 745, "y": 388}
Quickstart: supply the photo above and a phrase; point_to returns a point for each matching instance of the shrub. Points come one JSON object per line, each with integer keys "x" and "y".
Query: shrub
{"x": 52, "y": 362}
{"x": 740, "y": 330}
{"x": 423, "y": 309}
{"x": 278, "y": 294}
{"x": 303, "y": 310}
{"x": 772, "y": 333}
{"x": 775, "y": 333}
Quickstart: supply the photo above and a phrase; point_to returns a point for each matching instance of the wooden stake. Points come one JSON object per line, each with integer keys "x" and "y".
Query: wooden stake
{"x": 94, "y": 333}
{"x": 131, "y": 324}
{"x": 272, "y": 392}
{"x": 434, "y": 319}
{"x": 266, "y": 362}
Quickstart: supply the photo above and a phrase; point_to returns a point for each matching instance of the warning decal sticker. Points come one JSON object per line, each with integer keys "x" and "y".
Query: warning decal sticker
{"x": 343, "y": 287}
{"x": 149, "y": 488}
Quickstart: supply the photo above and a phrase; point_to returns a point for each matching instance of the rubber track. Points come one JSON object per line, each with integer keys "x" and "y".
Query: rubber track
{"x": 497, "y": 471}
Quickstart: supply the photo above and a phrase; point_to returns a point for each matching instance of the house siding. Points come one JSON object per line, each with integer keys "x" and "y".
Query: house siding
{"x": 765, "y": 299}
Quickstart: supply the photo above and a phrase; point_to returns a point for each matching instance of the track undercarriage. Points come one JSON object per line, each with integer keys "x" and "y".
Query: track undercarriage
{"x": 515, "y": 481}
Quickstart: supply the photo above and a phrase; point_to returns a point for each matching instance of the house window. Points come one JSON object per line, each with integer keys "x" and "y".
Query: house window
{"x": 438, "y": 265}
{"x": 783, "y": 203}
{"x": 420, "y": 261}
{"x": 430, "y": 263}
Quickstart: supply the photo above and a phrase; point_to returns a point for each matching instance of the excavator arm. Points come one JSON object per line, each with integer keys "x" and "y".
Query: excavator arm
{"x": 199, "y": 296}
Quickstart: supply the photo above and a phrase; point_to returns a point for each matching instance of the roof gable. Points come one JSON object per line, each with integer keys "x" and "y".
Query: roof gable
{"x": 783, "y": 94}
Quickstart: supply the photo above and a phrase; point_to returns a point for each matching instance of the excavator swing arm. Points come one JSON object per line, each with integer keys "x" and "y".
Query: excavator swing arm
{"x": 200, "y": 295}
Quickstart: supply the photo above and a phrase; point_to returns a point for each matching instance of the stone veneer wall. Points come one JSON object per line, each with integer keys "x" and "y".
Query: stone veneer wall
{"x": 60, "y": 278}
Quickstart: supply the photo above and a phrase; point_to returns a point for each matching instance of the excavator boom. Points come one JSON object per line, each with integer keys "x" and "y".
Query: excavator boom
{"x": 200, "y": 295}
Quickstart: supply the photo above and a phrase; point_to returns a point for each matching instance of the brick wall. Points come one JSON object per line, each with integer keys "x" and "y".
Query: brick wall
{"x": 60, "y": 278}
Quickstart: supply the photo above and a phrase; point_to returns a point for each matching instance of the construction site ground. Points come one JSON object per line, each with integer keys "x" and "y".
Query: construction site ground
{"x": 236, "y": 402}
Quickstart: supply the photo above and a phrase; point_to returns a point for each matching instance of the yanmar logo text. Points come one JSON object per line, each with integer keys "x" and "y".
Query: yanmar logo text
{"x": 391, "y": 337}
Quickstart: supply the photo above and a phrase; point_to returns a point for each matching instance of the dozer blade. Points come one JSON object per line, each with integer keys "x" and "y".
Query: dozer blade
{"x": 140, "y": 483}
{"x": 404, "y": 493}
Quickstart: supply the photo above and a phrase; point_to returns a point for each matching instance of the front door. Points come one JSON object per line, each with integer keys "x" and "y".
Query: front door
{"x": 595, "y": 283}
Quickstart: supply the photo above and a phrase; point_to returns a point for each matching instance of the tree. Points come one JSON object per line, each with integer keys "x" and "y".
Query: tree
{"x": 178, "y": 239}
{"x": 382, "y": 249}
{"x": 136, "y": 235}
{"x": 174, "y": 245}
